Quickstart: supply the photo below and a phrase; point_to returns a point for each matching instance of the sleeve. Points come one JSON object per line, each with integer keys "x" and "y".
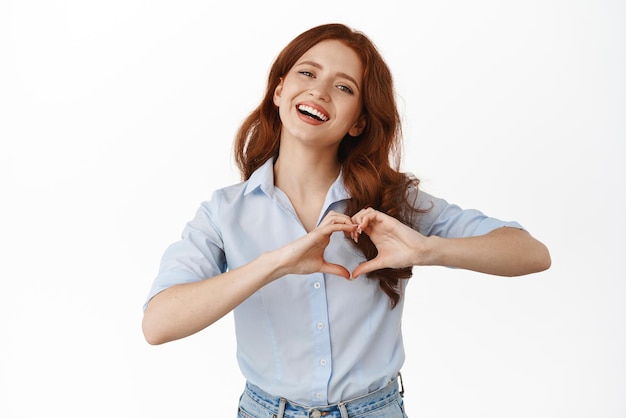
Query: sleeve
{"x": 198, "y": 255}
{"x": 448, "y": 220}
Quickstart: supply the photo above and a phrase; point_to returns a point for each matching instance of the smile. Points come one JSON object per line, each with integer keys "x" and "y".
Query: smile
{"x": 313, "y": 113}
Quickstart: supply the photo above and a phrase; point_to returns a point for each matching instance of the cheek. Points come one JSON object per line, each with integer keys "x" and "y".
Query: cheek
{"x": 354, "y": 111}
{"x": 282, "y": 112}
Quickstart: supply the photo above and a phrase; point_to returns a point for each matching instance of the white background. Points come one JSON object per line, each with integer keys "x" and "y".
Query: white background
{"x": 117, "y": 120}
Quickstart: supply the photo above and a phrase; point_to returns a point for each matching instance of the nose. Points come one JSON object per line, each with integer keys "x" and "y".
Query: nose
{"x": 320, "y": 90}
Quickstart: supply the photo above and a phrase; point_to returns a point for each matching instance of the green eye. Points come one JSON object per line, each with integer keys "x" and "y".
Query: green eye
{"x": 345, "y": 88}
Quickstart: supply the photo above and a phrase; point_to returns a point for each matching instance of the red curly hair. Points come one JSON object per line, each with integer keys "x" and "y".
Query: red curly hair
{"x": 370, "y": 162}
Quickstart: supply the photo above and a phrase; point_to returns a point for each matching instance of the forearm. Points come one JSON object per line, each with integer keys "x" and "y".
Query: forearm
{"x": 502, "y": 252}
{"x": 185, "y": 309}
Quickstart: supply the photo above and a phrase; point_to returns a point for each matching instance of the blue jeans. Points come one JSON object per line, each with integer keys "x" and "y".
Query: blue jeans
{"x": 383, "y": 403}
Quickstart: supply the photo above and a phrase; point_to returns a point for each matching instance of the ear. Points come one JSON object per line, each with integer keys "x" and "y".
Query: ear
{"x": 358, "y": 127}
{"x": 278, "y": 91}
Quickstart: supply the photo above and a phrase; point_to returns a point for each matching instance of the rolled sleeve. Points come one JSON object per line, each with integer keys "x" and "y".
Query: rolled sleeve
{"x": 448, "y": 220}
{"x": 196, "y": 256}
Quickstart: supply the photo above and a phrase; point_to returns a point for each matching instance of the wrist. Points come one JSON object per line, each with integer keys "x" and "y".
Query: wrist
{"x": 274, "y": 264}
{"x": 431, "y": 251}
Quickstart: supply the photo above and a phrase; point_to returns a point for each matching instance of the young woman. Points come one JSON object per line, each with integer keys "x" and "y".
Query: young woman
{"x": 312, "y": 250}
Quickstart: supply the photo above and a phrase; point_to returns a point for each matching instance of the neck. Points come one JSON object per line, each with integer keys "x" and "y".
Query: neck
{"x": 305, "y": 174}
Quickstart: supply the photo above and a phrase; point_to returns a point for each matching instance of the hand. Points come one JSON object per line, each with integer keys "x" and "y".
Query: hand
{"x": 306, "y": 254}
{"x": 398, "y": 245}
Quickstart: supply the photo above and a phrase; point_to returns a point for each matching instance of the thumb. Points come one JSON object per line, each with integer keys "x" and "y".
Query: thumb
{"x": 335, "y": 269}
{"x": 366, "y": 267}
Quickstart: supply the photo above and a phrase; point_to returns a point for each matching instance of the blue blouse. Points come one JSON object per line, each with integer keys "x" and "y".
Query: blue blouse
{"x": 314, "y": 339}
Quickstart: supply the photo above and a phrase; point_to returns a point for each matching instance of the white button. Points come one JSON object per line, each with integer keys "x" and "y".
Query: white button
{"x": 316, "y": 414}
{"x": 317, "y": 285}
{"x": 323, "y": 362}
{"x": 320, "y": 325}
{"x": 318, "y": 395}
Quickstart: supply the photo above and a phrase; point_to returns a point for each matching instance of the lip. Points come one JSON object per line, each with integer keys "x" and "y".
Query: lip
{"x": 317, "y": 108}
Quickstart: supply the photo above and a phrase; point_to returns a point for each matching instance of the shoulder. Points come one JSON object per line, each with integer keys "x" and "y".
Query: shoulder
{"x": 229, "y": 193}
{"x": 223, "y": 200}
{"x": 439, "y": 217}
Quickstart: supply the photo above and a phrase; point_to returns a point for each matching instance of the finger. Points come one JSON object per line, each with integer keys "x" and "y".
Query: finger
{"x": 367, "y": 267}
{"x": 361, "y": 213}
{"x": 330, "y": 228}
{"x": 336, "y": 218}
{"x": 336, "y": 215}
{"x": 352, "y": 234}
{"x": 364, "y": 218}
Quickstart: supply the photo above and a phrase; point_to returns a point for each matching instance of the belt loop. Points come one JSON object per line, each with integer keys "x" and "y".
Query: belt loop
{"x": 281, "y": 408}
{"x": 343, "y": 410}
{"x": 401, "y": 384}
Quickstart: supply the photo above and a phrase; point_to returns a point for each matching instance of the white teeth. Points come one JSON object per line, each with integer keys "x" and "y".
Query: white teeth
{"x": 312, "y": 111}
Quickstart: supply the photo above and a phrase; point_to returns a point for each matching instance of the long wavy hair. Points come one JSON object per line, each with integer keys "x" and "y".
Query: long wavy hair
{"x": 370, "y": 162}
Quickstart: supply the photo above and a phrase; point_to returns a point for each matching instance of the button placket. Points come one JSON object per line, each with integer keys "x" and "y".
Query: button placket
{"x": 321, "y": 338}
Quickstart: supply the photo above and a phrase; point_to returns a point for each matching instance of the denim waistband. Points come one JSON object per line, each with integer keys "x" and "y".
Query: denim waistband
{"x": 283, "y": 407}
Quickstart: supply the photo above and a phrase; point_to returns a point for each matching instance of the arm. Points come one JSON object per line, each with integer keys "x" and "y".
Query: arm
{"x": 185, "y": 309}
{"x": 503, "y": 251}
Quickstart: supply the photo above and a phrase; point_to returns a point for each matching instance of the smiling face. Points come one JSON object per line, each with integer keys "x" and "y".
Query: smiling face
{"x": 319, "y": 99}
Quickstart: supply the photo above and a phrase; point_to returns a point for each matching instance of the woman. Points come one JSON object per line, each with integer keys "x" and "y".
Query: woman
{"x": 311, "y": 250}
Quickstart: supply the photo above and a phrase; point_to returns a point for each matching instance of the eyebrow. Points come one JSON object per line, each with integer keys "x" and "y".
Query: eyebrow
{"x": 340, "y": 73}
